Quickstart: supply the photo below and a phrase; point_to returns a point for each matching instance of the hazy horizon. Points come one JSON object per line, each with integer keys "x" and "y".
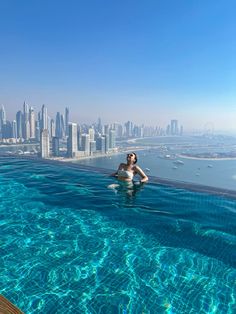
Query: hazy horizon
{"x": 147, "y": 63}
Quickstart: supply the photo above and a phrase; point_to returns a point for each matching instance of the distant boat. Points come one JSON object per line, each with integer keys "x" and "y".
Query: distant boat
{"x": 178, "y": 162}
{"x": 174, "y": 167}
{"x": 209, "y": 166}
{"x": 197, "y": 174}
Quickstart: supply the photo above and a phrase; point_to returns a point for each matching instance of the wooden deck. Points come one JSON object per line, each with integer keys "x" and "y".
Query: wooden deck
{"x": 6, "y": 307}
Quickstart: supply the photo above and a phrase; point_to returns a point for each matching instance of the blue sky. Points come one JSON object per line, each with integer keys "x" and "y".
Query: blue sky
{"x": 146, "y": 61}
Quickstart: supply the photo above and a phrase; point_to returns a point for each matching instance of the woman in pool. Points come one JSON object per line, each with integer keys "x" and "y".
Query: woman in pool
{"x": 126, "y": 171}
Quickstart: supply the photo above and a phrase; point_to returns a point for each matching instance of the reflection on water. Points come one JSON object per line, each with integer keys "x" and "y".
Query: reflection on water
{"x": 126, "y": 190}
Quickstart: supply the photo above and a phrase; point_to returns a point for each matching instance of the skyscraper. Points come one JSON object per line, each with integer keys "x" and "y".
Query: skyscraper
{"x": 91, "y": 134}
{"x": 14, "y": 129}
{"x": 58, "y": 125}
{"x": 72, "y": 145}
{"x": 37, "y": 131}
{"x": 99, "y": 125}
{"x": 7, "y": 130}
{"x": 92, "y": 147}
{"x": 128, "y": 128}
{"x": 55, "y": 146}
{"x": 174, "y": 127}
{"x": 79, "y": 133}
{"x": 52, "y": 128}
{"x": 32, "y": 122}
{"x": 112, "y": 139}
{"x": 63, "y": 127}
{"x": 100, "y": 143}
{"x": 44, "y": 117}
{"x": 44, "y": 144}
{"x": 19, "y": 119}
{"x": 26, "y": 124}
{"x": 85, "y": 146}
{"x": 67, "y": 121}
{"x": 2, "y": 117}
{"x": 107, "y": 142}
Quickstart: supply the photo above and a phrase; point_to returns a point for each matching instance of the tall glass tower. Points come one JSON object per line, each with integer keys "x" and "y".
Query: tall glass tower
{"x": 26, "y": 124}
{"x": 72, "y": 144}
{"x": 67, "y": 121}
{"x": 32, "y": 122}
{"x": 44, "y": 118}
{"x": 19, "y": 121}
{"x": 44, "y": 144}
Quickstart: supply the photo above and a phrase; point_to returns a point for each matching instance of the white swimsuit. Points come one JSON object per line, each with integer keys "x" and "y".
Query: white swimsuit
{"x": 125, "y": 174}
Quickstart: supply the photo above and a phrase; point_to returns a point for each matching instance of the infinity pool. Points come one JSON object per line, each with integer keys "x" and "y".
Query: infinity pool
{"x": 70, "y": 244}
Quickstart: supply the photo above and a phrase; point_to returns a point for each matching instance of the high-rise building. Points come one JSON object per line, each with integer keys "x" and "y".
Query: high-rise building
{"x": 106, "y": 129}
{"x": 55, "y": 146}
{"x": 67, "y": 121}
{"x": 44, "y": 117}
{"x": 63, "y": 127}
{"x": 99, "y": 125}
{"x": 79, "y": 134}
{"x": 72, "y": 142}
{"x": 168, "y": 130}
{"x": 107, "y": 142}
{"x": 2, "y": 118}
{"x": 128, "y": 128}
{"x": 118, "y": 129}
{"x": 32, "y": 122}
{"x": 40, "y": 120}
{"x": 100, "y": 144}
{"x": 49, "y": 127}
{"x": 14, "y": 129}
{"x": 27, "y": 130}
{"x": 37, "y": 131}
{"x": 58, "y": 125}
{"x": 174, "y": 127}
{"x": 112, "y": 139}
{"x": 44, "y": 144}
{"x": 92, "y": 147}
{"x": 26, "y": 124}
{"x": 85, "y": 143}
{"x": 91, "y": 134}
{"x": 52, "y": 128}
{"x": 7, "y": 130}
{"x": 19, "y": 120}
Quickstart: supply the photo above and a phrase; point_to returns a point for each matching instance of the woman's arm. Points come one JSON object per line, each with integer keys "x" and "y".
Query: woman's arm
{"x": 144, "y": 177}
{"x": 116, "y": 173}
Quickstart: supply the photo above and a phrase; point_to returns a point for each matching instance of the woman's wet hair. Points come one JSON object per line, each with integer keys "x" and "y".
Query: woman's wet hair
{"x": 136, "y": 158}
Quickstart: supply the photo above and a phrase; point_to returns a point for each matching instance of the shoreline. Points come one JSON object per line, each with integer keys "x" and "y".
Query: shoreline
{"x": 109, "y": 155}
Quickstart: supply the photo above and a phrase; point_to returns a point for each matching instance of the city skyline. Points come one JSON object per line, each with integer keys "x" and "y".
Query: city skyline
{"x": 123, "y": 61}
{"x": 28, "y": 122}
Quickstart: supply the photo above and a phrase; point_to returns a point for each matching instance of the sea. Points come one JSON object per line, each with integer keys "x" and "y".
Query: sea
{"x": 160, "y": 157}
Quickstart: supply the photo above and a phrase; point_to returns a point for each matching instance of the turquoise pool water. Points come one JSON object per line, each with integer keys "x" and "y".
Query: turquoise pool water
{"x": 69, "y": 244}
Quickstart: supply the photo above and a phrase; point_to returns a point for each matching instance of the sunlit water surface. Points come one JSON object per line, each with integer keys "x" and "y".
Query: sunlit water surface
{"x": 70, "y": 244}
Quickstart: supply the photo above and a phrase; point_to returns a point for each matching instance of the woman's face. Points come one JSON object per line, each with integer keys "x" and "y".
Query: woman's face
{"x": 131, "y": 157}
